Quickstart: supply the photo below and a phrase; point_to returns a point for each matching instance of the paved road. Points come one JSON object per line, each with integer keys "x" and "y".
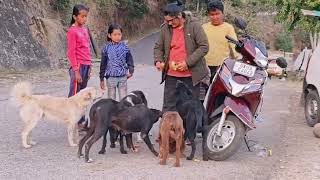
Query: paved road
{"x": 52, "y": 158}
{"x": 142, "y": 51}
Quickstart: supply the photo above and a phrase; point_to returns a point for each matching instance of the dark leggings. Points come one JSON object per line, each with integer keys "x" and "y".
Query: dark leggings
{"x": 76, "y": 87}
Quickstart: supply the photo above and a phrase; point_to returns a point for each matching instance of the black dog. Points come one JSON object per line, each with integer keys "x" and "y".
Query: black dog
{"x": 108, "y": 113}
{"x": 100, "y": 116}
{"x": 137, "y": 118}
{"x": 132, "y": 99}
{"x": 194, "y": 115}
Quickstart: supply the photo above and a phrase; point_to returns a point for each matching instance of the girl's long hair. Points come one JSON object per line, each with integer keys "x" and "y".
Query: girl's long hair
{"x": 76, "y": 11}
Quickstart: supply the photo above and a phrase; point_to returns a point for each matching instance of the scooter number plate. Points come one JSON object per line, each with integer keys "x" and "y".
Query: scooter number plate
{"x": 244, "y": 69}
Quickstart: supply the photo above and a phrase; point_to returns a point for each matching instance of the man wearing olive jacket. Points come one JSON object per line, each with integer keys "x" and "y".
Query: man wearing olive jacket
{"x": 179, "y": 53}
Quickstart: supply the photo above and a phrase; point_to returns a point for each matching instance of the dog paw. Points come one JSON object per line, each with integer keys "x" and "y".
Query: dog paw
{"x": 102, "y": 152}
{"x": 124, "y": 152}
{"x": 113, "y": 146}
{"x": 136, "y": 146}
{"x": 89, "y": 160}
{"x": 156, "y": 154}
{"x": 189, "y": 158}
{"x": 135, "y": 150}
{"x": 176, "y": 165}
{"x": 80, "y": 156}
{"x": 33, "y": 143}
{"x": 205, "y": 158}
{"x": 27, "y": 146}
{"x": 73, "y": 145}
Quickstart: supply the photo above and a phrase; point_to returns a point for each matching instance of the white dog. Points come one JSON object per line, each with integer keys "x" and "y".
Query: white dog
{"x": 67, "y": 110}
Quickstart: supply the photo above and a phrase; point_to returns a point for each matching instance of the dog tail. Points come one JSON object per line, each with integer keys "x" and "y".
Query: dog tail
{"x": 196, "y": 119}
{"x": 205, "y": 120}
{"x": 21, "y": 93}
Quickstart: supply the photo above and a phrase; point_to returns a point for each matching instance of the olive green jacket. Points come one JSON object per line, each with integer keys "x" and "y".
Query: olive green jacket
{"x": 197, "y": 47}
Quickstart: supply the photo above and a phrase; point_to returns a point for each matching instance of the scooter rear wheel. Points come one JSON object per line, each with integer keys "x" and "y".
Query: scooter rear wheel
{"x": 222, "y": 147}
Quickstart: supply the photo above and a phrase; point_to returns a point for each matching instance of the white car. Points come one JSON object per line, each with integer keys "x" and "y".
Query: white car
{"x": 311, "y": 87}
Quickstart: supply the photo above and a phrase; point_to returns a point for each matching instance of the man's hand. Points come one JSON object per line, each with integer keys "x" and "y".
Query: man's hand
{"x": 182, "y": 66}
{"x": 173, "y": 65}
{"x": 160, "y": 65}
{"x": 78, "y": 76}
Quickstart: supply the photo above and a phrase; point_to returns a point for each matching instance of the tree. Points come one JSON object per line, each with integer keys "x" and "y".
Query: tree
{"x": 289, "y": 12}
{"x": 284, "y": 41}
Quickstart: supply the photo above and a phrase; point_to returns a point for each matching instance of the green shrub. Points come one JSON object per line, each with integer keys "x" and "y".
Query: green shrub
{"x": 135, "y": 9}
{"x": 284, "y": 41}
{"x": 59, "y": 5}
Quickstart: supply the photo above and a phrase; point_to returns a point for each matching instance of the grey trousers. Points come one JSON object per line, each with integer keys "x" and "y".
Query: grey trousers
{"x": 114, "y": 83}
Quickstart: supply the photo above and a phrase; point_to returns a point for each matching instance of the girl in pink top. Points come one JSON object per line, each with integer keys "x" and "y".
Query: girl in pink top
{"x": 78, "y": 50}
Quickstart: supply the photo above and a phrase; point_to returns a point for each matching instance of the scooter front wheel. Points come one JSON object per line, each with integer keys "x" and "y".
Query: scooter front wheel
{"x": 222, "y": 147}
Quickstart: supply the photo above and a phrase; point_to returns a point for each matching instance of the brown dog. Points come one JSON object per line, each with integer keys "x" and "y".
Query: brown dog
{"x": 171, "y": 135}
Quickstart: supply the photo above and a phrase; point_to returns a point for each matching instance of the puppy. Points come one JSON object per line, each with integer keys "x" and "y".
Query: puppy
{"x": 171, "y": 136}
{"x": 108, "y": 113}
{"x": 193, "y": 114}
{"x": 67, "y": 110}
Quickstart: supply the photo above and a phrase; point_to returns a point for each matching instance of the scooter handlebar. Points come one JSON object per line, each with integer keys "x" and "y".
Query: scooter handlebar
{"x": 230, "y": 39}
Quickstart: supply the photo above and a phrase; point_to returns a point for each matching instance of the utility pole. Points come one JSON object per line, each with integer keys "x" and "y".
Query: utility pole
{"x": 198, "y": 5}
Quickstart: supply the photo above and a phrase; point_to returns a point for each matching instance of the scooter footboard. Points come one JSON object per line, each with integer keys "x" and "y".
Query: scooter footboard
{"x": 240, "y": 108}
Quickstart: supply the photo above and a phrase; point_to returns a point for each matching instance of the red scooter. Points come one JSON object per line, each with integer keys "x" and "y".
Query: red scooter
{"x": 234, "y": 98}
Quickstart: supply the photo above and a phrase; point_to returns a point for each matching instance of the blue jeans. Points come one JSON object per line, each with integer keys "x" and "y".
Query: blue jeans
{"x": 114, "y": 83}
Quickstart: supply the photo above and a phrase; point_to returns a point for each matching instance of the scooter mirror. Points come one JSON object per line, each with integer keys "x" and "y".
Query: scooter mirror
{"x": 281, "y": 62}
{"x": 240, "y": 23}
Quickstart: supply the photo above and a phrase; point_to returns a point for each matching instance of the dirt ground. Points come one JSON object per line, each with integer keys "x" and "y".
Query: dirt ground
{"x": 283, "y": 130}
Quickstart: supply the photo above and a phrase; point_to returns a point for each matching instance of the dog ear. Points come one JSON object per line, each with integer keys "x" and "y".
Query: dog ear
{"x": 156, "y": 114}
{"x": 160, "y": 113}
